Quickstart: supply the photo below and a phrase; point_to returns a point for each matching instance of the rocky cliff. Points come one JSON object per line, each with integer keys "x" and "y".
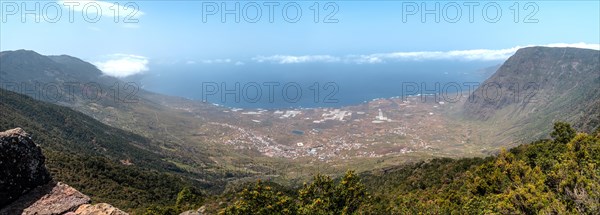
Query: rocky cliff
{"x": 26, "y": 187}
{"x": 21, "y": 165}
{"x": 542, "y": 85}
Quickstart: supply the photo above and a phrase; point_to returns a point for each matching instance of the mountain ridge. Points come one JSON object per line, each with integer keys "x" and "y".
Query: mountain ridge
{"x": 541, "y": 83}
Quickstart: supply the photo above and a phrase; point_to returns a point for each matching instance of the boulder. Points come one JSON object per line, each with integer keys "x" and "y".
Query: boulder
{"x": 98, "y": 209}
{"x": 52, "y": 198}
{"x": 200, "y": 211}
{"x": 27, "y": 188}
{"x": 21, "y": 165}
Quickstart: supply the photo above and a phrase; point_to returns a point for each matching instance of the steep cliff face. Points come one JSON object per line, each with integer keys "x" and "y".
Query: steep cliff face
{"x": 26, "y": 187}
{"x": 541, "y": 85}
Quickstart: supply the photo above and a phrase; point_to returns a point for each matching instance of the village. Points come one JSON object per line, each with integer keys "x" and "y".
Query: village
{"x": 378, "y": 128}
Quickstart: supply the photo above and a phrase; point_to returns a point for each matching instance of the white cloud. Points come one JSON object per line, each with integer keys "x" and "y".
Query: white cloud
{"x": 239, "y": 63}
{"x": 470, "y": 55}
{"x": 123, "y": 65}
{"x": 217, "y": 61}
{"x": 285, "y": 59}
{"x": 576, "y": 45}
{"x": 107, "y": 9}
{"x": 467, "y": 55}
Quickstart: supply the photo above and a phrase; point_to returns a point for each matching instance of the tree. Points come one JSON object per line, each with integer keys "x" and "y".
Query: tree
{"x": 261, "y": 199}
{"x": 563, "y": 132}
{"x": 510, "y": 186}
{"x": 188, "y": 198}
{"x": 161, "y": 210}
{"x": 318, "y": 196}
{"x": 576, "y": 178}
{"x": 322, "y": 196}
{"x": 350, "y": 193}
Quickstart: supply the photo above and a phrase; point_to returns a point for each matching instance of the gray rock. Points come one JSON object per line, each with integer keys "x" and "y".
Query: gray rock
{"x": 21, "y": 165}
{"x": 27, "y": 188}
{"x": 200, "y": 211}
{"x": 52, "y": 198}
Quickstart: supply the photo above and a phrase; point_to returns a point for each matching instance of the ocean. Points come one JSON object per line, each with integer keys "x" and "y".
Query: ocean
{"x": 310, "y": 85}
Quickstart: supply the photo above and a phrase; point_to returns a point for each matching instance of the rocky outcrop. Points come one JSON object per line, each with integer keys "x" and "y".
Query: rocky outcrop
{"x": 21, "y": 165}
{"x": 98, "y": 209}
{"x": 27, "y": 188}
{"x": 200, "y": 211}
{"x": 52, "y": 198}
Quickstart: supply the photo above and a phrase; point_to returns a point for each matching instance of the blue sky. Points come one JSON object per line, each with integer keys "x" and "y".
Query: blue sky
{"x": 365, "y": 31}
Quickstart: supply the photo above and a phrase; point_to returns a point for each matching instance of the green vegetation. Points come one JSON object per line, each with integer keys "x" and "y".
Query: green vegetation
{"x": 559, "y": 176}
{"x": 62, "y": 129}
{"x": 547, "y": 176}
{"x": 261, "y": 199}
{"x": 127, "y": 187}
{"x": 188, "y": 198}
{"x": 563, "y": 132}
{"x": 321, "y": 196}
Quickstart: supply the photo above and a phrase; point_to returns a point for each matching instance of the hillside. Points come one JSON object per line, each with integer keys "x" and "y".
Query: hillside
{"x": 109, "y": 164}
{"x": 539, "y": 85}
{"x": 559, "y": 176}
{"x": 175, "y": 131}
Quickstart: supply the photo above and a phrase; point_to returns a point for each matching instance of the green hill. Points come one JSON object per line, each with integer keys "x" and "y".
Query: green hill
{"x": 108, "y": 164}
